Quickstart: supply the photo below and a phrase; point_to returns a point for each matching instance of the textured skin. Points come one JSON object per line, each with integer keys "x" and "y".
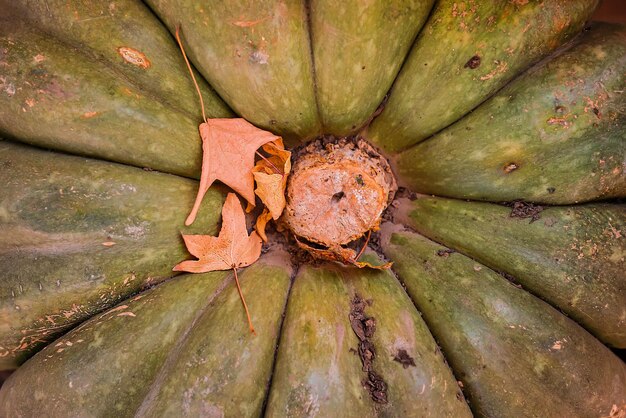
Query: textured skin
{"x": 539, "y": 139}
{"x": 318, "y": 375}
{"x": 358, "y": 48}
{"x": 170, "y": 351}
{"x": 102, "y": 27}
{"x": 57, "y": 213}
{"x": 256, "y": 55}
{"x": 58, "y": 96}
{"x": 573, "y": 257}
{"x": 434, "y": 88}
{"x": 516, "y": 355}
{"x": 78, "y": 236}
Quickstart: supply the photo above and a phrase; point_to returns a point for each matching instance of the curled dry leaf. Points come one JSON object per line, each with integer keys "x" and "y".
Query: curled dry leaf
{"x": 231, "y": 249}
{"x": 228, "y": 150}
{"x": 270, "y": 174}
{"x": 261, "y": 223}
{"x": 341, "y": 255}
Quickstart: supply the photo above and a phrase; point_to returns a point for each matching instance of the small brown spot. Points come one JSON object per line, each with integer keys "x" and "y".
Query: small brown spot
{"x": 135, "y": 57}
{"x": 404, "y": 359}
{"x": 510, "y": 167}
{"x": 473, "y": 63}
{"x": 445, "y": 253}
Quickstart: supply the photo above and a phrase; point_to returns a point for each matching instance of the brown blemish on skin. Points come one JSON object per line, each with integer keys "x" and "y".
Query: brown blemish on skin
{"x": 404, "y": 359}
{"x": 364, "y": 328}
{"x": 525, "y": 210}
{"x": 510, "y": 167}
{"x": 473, "y": 63}
{"x": 134, "y": 57}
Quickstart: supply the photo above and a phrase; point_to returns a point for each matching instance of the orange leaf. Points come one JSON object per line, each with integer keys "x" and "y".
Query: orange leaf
{"x": 270, "y": 175}
{"x": 228, "y": 149}
{"x": 233, "y": 247}
{"x": 261, "y": 223}
{"x": 341, "y": 255}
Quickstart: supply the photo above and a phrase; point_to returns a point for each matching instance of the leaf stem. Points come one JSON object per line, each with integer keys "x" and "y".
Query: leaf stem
{"x": 276, "y": 169}
{"x": 195, "y": 83}
{"x": 243, "y": 301}
{"x": 369, "y": 234}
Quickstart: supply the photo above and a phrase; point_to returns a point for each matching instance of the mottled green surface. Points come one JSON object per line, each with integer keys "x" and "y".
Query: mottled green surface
{"x": 358, "y": 48}
{"x": 104, "y": 368}
{"x": 58, "y": 96}
{"x": 222, "y": 369}
{"x": 181, "y": 349}
{"x": 100, "y": 28}
{"x": 573, "y": 257}
{"x": 256, "y": 54}
{"x": 434, "y": 88}
{"x": 516, "y": 355}
{"x": 317, "y": 374}
{"x": 58, "y": 217}
{"x": 554, "y": 135}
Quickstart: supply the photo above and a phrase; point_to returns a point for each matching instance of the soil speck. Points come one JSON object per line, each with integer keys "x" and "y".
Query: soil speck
{"x": 445, "y": 253}
{"x": 525, "y": 210}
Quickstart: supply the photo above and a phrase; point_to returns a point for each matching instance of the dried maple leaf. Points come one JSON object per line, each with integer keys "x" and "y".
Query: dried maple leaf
{"x": 271, "y": 175}
{"x": 228, "y": 150}
{"x": 231, "y": 249}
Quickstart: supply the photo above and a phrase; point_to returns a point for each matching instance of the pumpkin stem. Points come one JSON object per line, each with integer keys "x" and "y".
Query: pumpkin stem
{"x": 195, "y": 83}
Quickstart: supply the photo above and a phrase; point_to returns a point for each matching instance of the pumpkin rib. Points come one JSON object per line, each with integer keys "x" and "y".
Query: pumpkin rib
{"x": 318, "y": 316}
{"x": 151, "y": 47}
{"x": 272, "y": 87}
{"x": 173, "y": 355}
{"x": 494, "y": 32}
{"x": 592, "y": 296}
{"x": 307, "y": 11}
{"x": 571, "y": 43}
{"x": 97, "y": 232}
{"x": 512, "y": 351}
{"x": 553, "y": 136}
{"x": 294, "y": 273}
{"x": 110, "y": 120}
{"x": 357, "y": 53}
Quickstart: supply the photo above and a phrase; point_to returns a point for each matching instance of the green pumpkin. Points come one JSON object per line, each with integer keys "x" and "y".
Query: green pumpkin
{"x": 492, "y": 101}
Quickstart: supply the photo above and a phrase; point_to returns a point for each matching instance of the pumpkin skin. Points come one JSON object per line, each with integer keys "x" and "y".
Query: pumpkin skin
{"x": 182, "y": 346}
